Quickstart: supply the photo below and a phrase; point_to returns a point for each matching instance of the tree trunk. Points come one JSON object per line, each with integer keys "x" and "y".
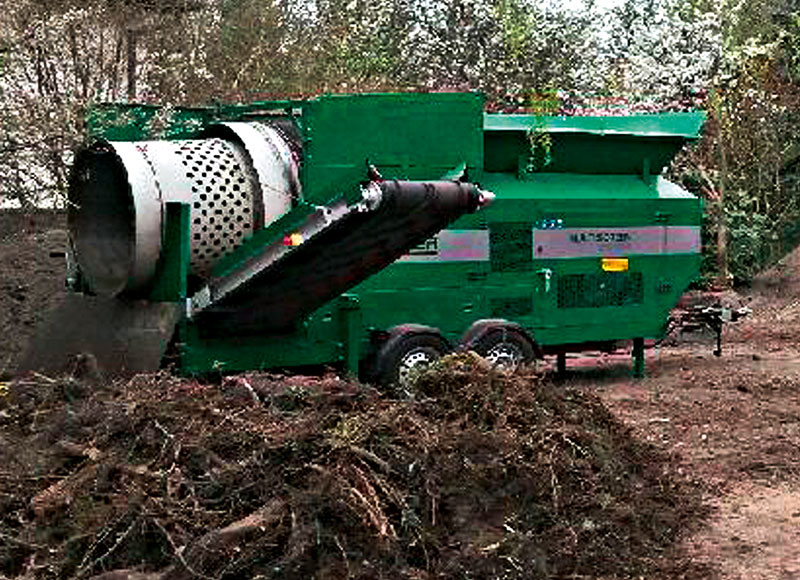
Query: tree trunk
{"x": 723, "y": 280}
{"x": 131, "y": 65}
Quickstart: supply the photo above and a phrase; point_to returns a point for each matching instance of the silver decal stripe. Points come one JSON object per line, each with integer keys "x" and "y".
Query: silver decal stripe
{"x": 609, "y": 242}
{"x": 451, "y": 246}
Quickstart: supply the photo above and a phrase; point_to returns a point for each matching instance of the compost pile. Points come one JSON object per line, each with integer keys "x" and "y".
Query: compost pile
{"x": 481, "y": 475}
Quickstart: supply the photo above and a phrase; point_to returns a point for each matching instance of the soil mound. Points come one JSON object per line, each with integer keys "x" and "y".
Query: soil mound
{"x": 781, "y": 280}
{"x": 31, "y": 280}
{"x": 483, "y": 475}
{"x": 775, "y": 300}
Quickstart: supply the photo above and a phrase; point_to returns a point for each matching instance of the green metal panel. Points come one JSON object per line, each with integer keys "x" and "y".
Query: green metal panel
{"x": 320, "y": 339}
{"x": 406, "y": 136}
{"x": 244, "y": 353}
{"x": 173, "y": 268}
{"x": 683, "y": 125}
{"x": 592, "y": 200}
{"x": 445, "y": 296}
{"x": 350, "y": 332}
{"x": 649, "y": 290}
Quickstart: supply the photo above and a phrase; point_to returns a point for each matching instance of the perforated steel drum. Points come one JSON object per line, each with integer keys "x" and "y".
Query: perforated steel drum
{"x": 237, "y": 180}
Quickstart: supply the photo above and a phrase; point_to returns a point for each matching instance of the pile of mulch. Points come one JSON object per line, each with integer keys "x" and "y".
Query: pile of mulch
{"x": 481, "y": 475}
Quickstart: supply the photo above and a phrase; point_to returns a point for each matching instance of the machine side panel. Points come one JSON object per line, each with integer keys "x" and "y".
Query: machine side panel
{"x": 576, "y": 153}
{"x": 635, "y": 144}
{"x": 563, "y": 295}
{"x": 406, "y": 136}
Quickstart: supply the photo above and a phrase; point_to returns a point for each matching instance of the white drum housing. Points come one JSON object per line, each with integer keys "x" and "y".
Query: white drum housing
{"x": 238, "y": 179}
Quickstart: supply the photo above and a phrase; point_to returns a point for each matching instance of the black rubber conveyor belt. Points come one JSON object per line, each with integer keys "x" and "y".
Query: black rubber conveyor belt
{"x": 338, "y": 258}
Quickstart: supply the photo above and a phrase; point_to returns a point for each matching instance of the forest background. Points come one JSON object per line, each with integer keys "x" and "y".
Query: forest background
{"x": 739, "y": 60}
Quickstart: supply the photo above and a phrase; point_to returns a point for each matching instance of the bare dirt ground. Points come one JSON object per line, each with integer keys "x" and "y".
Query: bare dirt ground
{"x": 729, "y": 427}
{"x": 30, "y": 279}
{"x": 733, "y": 425}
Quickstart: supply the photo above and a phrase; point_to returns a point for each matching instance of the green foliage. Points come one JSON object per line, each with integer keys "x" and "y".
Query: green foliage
{"x": 791, "y": 45}
{"x": 749, "y": 245}
{"x": 540, "y": 143}
{"x": 517, "y": 22}
{"x": 746, "y": 165}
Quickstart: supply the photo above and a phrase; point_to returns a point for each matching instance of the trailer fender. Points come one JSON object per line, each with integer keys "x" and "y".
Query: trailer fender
{"x": 503, "y": 343}
{"x": 408, "y": 348}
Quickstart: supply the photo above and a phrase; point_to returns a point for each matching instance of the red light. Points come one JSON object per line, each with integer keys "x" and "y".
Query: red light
{"x": 294, "y": 239}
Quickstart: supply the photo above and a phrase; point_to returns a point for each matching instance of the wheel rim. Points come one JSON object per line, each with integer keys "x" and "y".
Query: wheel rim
{"x": 410, "y": 366}
{"x": 505, "y": 355}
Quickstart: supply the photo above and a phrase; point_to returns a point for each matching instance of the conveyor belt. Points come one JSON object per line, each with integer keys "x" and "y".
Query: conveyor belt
{"x": 338, "y": 257}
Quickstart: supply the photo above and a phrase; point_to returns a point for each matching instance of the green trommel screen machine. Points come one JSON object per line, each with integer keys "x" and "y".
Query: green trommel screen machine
{"x": 372, "y": 233}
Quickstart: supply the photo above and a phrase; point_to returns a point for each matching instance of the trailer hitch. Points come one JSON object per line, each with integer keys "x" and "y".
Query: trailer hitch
{"x": 701, "y": 316}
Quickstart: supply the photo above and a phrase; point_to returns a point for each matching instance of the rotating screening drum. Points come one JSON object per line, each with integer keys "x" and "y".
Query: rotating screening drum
{"x": 237, "y": 180}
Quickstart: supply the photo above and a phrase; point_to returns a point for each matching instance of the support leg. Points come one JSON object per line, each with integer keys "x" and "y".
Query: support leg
{"x": 350, "y": 320}
{"x": 638, "y": 357}
{"x": 718, "y": 330}
{"x": 561, "y": 363}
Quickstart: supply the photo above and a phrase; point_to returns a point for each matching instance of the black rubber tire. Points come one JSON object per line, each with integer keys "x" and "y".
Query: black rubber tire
{"x": 515, "y": 344}
{"x": 391, "y": 357}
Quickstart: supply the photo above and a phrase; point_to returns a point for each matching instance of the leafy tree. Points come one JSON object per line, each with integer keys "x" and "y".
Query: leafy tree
{"x": 58, "y": 58}
{"x": 747, "y": 164}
